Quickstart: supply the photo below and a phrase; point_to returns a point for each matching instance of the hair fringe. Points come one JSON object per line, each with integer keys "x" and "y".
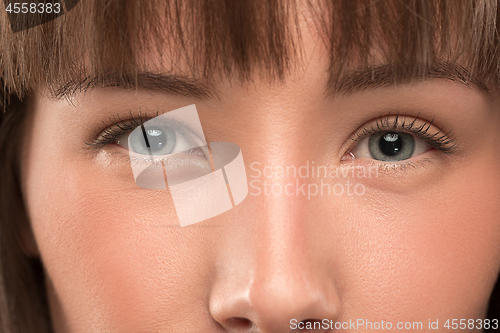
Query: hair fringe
{"x": 240, "y": 38}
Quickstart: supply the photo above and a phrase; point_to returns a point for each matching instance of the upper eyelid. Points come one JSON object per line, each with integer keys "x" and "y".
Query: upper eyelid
{"x": 110, "y": 132}
{"x": 444, "y": 140}
{"x": 396, "y": 125}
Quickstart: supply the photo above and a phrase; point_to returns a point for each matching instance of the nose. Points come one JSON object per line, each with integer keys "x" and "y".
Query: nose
{"x": 273, "y": 280}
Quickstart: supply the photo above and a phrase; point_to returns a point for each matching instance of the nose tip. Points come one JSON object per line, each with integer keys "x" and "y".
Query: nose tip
{"x": 289, "y": 304}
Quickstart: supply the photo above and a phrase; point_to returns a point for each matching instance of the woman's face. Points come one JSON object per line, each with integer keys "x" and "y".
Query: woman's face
{"x": 410, "y": 240}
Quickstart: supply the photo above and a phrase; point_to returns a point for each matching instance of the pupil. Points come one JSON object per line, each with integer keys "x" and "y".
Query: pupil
{"x": 390, "y": 144}
{"x": 157, "y": 139}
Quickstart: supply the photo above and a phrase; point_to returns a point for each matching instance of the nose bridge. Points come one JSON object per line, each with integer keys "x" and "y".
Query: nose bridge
{"x": 289, "y": 282}
{"x": 285, "y": 261}
{"x": 281, "y": 247}
{"x": 268, "y": 272}
{"x": 272, "y": 275}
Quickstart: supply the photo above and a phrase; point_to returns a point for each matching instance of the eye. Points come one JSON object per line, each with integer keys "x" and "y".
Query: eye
{"x": 390, "y": 146}
{"x": 155, "y": 140}
{"x": 398, "y": 138}
{"x": 164, "y": 134}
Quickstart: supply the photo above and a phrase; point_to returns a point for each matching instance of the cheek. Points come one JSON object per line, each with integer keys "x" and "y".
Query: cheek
{"x": 114, "y": 255}
{"x": 432, "y": 254}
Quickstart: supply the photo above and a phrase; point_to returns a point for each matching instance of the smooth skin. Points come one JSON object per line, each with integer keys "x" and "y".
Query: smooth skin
{"x": 420, "y": 244}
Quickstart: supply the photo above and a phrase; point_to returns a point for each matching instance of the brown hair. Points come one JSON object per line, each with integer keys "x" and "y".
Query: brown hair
{"x": 235, "y": 39}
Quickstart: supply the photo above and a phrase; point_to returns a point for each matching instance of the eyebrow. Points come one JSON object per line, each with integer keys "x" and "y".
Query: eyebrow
{"x": 348, "y": 83}
{"x": 166, "y": 83}
{"x": 387, "y": 75}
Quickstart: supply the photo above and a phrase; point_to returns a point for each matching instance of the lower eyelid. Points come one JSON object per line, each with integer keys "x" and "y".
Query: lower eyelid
{"x": 406, "y": 166}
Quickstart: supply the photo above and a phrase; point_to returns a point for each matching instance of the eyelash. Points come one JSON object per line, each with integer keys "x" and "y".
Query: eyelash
{"x": 440, "y": 140}
{"x": 116, "y": 127}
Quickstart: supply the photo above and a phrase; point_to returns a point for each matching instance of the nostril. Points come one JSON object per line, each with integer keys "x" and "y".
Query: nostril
{"x": 239, "y": 324}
